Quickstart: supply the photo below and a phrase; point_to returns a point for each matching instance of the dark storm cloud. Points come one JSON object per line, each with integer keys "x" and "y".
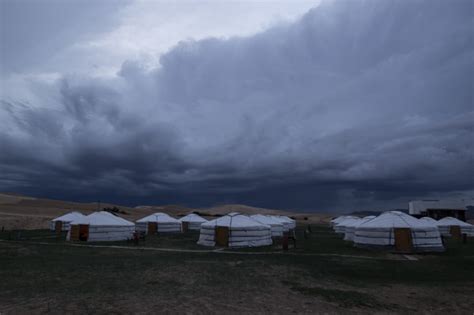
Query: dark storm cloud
{"x": 359, "y": 104}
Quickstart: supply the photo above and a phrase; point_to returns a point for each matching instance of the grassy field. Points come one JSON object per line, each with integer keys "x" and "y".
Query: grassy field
{"x": 42, "y": 273}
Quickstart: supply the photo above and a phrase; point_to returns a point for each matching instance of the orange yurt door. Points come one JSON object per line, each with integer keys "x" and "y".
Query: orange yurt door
{"x": 152, "y": 227}
{"x": 403, "y": 242}
{"x": 83, "y": 232}
{"x": 222, "y": 236}
{"x": 58, "y": 226}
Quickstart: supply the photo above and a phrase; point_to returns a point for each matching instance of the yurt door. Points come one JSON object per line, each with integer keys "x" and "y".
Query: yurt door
{"x": 185, "y": 226}
{"x": 152, "y": 227}
{"x": 222, "y": 236}
{"x": 455, "y": 231}
{"x": 74, "y": 233}
{"x": 403, "y": 239}
{"x": 83, "y": 232}
{"x": 58, "y": 226}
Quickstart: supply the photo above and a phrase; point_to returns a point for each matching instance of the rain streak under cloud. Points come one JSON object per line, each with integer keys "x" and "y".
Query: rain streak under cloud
{"x": 348, "y": 105}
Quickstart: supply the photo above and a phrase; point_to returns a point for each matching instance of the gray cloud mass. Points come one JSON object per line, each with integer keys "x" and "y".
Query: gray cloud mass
{"x": 359, "y": 104}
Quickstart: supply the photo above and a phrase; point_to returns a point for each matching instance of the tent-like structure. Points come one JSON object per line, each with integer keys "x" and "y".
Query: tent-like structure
{"x": 340, "y": 227}
{"x": 100, "y": 226}
{"x": 351, "y": 227}
{"x": 62, "y": 223}
{"x": 277, "y": 226}
{"x": 337, "y": 220}
{"x": 288, "y": 223}
{"x": 235, "y": 230}
{"x": 429, "y": 220}
{"x": 158, "y": 222}
{"x": 192, "y": 222}
{"x": 399, "y": 231}
{"x": 450, "y": 226}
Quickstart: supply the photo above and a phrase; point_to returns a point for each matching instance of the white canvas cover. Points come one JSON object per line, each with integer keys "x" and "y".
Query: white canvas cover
{"x": 340, "y": 227}
{"x": 445, "y": 224}
{"x": 66, "y": 219}
{"x": 351, "y": 227}
{"x": 243, "y": 231}
{"x": 379, "y": 232}
{"x": 337, "y": 220}
{"x": 104, "y": 226}
{"x": 288, "y": 223}
{"x": 429, "y": 219}
{"x": 194, "y": 221}
{"x": 165, "y": 223}
{"x": 276, "y": 226}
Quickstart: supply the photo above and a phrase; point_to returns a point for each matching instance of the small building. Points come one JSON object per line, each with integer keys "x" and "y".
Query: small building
{"x": 453, "y": 227}
{"x": 235, "y": 230}
{"x": 438, "y": 209}
{"x": 100, "y": 226}
{"x": 61, "y": 223}
{"x": 395, "y": 230}
{"x": 158, "y": 223}
{"x": 276, "y": 226}
{"x": 192, "y": 221}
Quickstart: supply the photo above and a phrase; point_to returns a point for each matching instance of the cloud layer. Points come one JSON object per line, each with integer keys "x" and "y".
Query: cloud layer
{"x": 360, "y": 104}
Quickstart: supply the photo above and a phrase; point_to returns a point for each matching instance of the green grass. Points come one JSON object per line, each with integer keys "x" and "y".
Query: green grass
{"x": 63, "y": 272}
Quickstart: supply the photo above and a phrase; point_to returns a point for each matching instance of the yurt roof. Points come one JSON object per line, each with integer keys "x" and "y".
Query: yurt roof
{"x": 284, "y": 218}
{"x": 264, "y": 219}
{"x": 347, "y": 220}
{"x": 68, "y": 217}
{"x": 192, "y": 218}
{"x": 101, "y": 218}
{"x": 359, "y": 221}
{"x": 451, "y": 221}
{"x": 429, "y": 219}
{"x": 158, "y": 217}
{"x": 236, "y": 220}
{"x": 338, "y": 219}
{"x": 395, "y": 219}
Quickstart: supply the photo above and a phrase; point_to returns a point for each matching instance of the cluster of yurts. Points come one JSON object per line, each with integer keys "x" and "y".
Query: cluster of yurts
{"x": 232, "y": 230}
{"x": 385, "y": 230}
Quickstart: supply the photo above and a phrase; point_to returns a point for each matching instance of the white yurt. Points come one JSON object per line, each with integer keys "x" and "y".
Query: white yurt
{"x": 288, "y": 223}
{"x": 192, "y": 222}
{"x": 337, "y": 220}
{"x": 158, "y": 222}
{"x": 235, "y": 230}
{"x": 277, "y": 226}
{"x": 398, "y": 230}
{"x": 450, "y": 226}
{"x": 340, "y": 227}
{"x": 429, "y": 219}
{"x": 62, "y": 223}
{"x": 100, "y": 226}
{"x": 351, "y": 227}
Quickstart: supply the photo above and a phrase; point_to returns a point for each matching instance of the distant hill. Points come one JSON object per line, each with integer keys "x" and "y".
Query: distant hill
{"x": 23, "y": 212}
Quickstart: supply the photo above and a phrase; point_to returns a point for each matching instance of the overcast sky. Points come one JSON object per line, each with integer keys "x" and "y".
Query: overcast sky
{"x": 323, "y": 106}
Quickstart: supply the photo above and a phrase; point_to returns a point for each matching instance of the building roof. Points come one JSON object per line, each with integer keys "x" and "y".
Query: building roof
{"x": 395, "y": 219}
{"x": 192, "y": 218}
{"x": 359, "y": 221}
{"x": 236, "y": 221}
{"x": 102, "y": 218}
{"x": 68, "y": 217}
{"x": 264, "y": 219}
{"x": 448, "y": 221}
{"x": 159, "y": 217}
